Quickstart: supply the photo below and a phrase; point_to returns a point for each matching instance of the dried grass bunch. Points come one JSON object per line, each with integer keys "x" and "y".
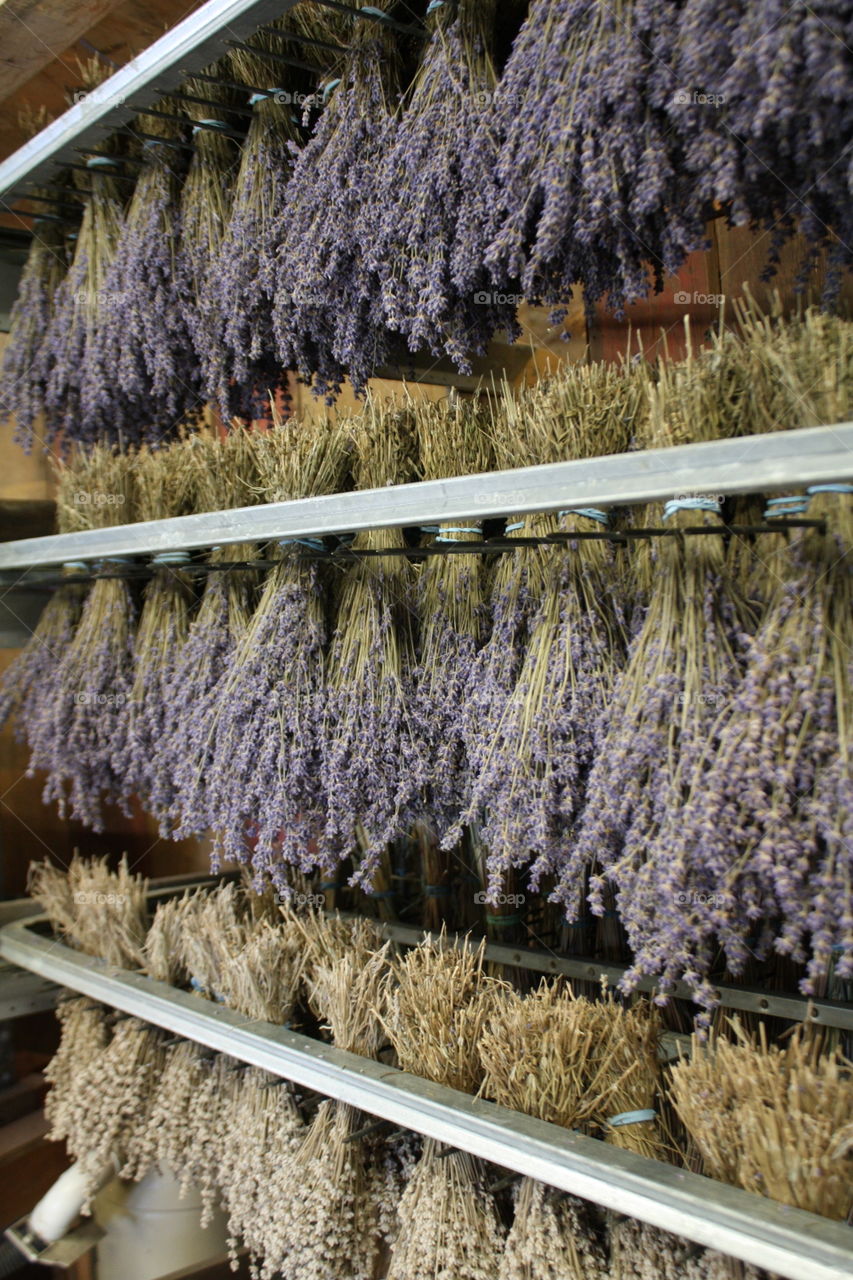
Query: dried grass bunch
{"x": 438, "y": 1002}
{"x": 334, "y": 1225}
{"x": 438, "y": 999}
{"x": 98, "y": 911}
{"x": 83, "y": 1037}
{"x": 209, "y": 927}
{"x": 188, "y": 1129}
{"x": 553, "y": 1237}
{"x": 264, "y": 1128}
{"x": 575, "y": 1062}
{"x": 113, "y": 1095}
{"x": 774, "y": 1119}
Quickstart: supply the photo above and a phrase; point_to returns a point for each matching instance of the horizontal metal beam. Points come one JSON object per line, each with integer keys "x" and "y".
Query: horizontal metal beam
{"x": 789, "y": 1242}
{"x": 22, "y": 993}
{"x": 189, "y": 46}
{"x": 754, "y": 464}
{"x": 769, "y": 1004}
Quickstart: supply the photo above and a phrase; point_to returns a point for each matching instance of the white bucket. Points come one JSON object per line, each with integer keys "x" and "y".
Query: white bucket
{"x": 151, "y": 1231}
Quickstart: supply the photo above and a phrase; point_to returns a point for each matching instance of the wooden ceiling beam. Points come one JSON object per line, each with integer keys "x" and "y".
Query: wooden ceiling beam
{"x": 36, "y": 32}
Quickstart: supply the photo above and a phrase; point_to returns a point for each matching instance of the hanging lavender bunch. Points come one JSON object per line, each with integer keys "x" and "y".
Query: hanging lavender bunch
{"x": 265, "y": 797}
{"x": 374, "y": 767}
{"x": 192, "y": 698}
{"x": 762, "y": 108}
{"x": 452, "y": 610}
{"x": 24, "y": 369}
{"x": 684, "y": 666}
{"x": 328, "y": 319}
{"x": 147, "y": 375}
{"x": 27, "y": 686}
{"x": 591, "y": 190}
{"x": 768, "y": 823}
{"x": 74, "y": 743}
{"x": 163, "y": 481}
{"x": 72, "y": 717}
{"x": 160, "y": 637}
{"x": 75, "y": 396}
{"x": 411, "y": 243}
{"x": 222, "y": 475}
{"x": 205, "y": 211}
{"x": 245, "y": 276}
{"x": 533, "y": 764}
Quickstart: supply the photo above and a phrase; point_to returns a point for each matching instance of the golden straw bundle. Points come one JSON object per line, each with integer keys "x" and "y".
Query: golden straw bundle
{"x": 99, "y": 911}
{"x": 438, "y": 999}
{"x": 332, "y": 1225}
{"x": 772, "y": 1119}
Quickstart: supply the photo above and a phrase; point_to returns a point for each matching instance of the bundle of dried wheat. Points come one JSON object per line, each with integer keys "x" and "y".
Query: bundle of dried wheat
{"x": 262, "y": 980}
{"x": 772, "y": 1119}
{"x": 330, "y": 1219}
{"x": 438, "y": 1001}
{"x": 98, "y": 911}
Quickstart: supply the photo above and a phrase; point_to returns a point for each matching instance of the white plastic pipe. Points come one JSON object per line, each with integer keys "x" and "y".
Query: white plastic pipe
{"x": 52, "y": 1217}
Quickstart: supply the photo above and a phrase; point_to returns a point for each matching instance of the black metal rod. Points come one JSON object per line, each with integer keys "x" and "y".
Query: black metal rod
{"x": 386, "y": 21}
{"x": 211, "y": 102}
{"x": 280, "y": 58}
{"x": 300, "y": 39}
{"x": 86, "y": 168}
{"x": 130, "y": 132}
{"x": 226, "y": 84}
{"x": 56, "y": 204}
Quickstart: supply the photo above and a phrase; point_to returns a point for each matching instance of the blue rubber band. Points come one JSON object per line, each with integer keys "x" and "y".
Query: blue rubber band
{"x": 631, "y": 1117}
{"x": 259, "y": 97}
{"x": 382, "y": 893}
{"x": 433, "y": 5}
{"x": 213, "y": 124}
{"x": 370, "y": 11}
{"x": 328, "y": 88}
{"x": 793, "y": 505}
{"x": 589, "y": 513}
{"x": 690, "y": 504}
{"x": 462, "y": 529}
{"x": 171, "y": 557}
{"x": 78, "y": 566}
{"x": 829, "y": 488}
{"x": 313, "y": 544}
{"x": 108, "y": 560}
{"x": 100, "y": 162}
{"x": 511, "y": 528}
{"x": 437, "y": 890}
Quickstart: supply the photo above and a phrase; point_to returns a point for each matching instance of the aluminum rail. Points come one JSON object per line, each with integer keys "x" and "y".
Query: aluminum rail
{"x": 189, "y": 46}
{"x": 789, "y": 1242}
{"x": 753, "y": 464}
{"x": 771, "y": 1004}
